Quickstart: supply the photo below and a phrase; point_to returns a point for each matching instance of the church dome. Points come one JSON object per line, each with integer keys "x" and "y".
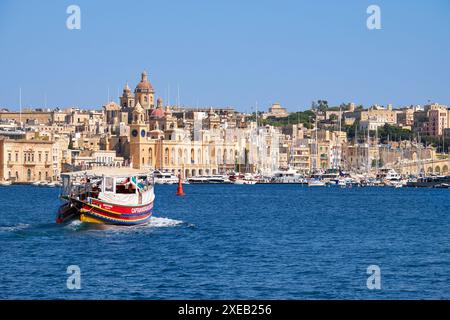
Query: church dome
{"x": 157, "y": 113}
{"x": 144, "y": 86}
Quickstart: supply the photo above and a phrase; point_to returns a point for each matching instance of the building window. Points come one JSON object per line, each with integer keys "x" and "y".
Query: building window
{"x": 166, "y": 156}
{"x": 9, "y": 156}
{"x": 150, "y": 156}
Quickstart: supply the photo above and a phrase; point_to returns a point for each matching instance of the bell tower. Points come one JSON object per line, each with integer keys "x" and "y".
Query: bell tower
{"x": 138, "y": 136}
{"x": 144, "y": 92}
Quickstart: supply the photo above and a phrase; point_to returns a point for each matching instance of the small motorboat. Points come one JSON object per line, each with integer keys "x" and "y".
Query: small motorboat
{"x": 316, "y": 183}
{"x": 245, "y": 181}
{"x": 5, "y": 183}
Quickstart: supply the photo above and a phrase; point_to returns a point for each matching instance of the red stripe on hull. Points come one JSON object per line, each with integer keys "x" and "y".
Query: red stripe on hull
{"x": 123, "y": 209}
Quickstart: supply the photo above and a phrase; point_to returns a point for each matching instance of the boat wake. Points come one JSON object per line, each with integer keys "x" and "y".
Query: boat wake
{"x": 79, "y": 226}
{"x": 154, "y": 222}
{"x": 158, "y": 222}
{"x": 14, "y": 228}
{"x": 75, "y": 225}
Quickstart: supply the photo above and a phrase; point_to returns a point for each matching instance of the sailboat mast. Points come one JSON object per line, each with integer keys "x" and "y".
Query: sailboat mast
{"x": 368, "y": 150}
{"x": 20, "y": 106}
{"x": 378, "y": 148}
{"x": 317, "y": 144}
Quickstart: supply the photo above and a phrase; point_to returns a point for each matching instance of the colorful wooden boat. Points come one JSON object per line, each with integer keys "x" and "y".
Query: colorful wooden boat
{"x": 107, "y": 196}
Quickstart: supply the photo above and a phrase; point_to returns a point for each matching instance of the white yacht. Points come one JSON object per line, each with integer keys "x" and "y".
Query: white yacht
{"x": 316, "y": 183}
{"x": 389, "y": 176}
{"x": 247, "y": 179}
{"x": 289, "y": 176}
{"x": 218, "y": 179}
{"x": 198, "y": 180}
{"x": 164, "y": 177}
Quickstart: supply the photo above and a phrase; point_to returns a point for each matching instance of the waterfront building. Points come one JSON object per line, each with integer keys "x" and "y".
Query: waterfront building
{"x": 175, "y": 149}
{"x": 26, "y": 160}
{"x": 102, "y": 158}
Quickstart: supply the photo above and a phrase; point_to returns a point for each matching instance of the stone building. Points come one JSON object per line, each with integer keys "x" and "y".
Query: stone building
{"x": 24, "y": 160}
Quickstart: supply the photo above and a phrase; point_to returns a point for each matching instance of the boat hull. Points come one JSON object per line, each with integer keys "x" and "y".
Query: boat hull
{"x": 101, "y": 212}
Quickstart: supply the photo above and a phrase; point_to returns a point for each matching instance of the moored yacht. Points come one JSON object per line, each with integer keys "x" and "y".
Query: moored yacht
{"x": 164, "y": 177}
{"x": 247, "y": 179}
{"x": 198, "y": 180}
{"x": 316, "y": 183}
{"x": 289, "y": 176}
{"x": 218, "y": 179}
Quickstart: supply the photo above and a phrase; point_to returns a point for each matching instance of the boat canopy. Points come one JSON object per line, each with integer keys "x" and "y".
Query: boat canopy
{"x": 105, "y": 171}
{"x": 123, "y": 183}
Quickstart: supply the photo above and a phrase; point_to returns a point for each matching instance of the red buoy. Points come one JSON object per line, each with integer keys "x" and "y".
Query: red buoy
{"x": 180, "y": 187}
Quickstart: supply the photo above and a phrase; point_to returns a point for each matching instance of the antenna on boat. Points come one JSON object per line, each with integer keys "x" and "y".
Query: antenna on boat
{"x": 256, "y": 116}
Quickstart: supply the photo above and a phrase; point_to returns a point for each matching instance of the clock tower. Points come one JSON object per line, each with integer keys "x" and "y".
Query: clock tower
{"x": 138, "y": 136}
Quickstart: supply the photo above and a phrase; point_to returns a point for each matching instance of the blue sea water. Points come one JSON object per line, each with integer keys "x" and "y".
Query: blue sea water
{"x": 234, "y": 242}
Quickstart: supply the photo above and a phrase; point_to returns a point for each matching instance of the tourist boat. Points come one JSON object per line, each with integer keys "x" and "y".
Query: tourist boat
{"x": 164, "y": 177}
{"x": 107, "y": 196}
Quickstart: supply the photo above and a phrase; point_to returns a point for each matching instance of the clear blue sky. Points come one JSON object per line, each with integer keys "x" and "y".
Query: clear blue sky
{"x": 222, "y": 53}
